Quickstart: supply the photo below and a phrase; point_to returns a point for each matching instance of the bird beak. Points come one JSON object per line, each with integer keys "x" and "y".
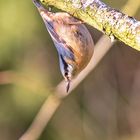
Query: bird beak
{"x": 68, "y": 86}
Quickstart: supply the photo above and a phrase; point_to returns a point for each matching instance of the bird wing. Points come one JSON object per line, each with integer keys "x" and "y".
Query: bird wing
{"x": 60, "y": 44}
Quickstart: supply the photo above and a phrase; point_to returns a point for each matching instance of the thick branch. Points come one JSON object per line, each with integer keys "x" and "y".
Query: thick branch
{"x": 108, "y": 20}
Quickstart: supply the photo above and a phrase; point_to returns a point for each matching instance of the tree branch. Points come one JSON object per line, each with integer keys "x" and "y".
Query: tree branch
{"x": 104, "y": 18}
{"x": 54, "y": 100}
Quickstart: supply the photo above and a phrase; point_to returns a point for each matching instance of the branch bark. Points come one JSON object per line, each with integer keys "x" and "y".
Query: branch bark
{"x": 113, "y": 23}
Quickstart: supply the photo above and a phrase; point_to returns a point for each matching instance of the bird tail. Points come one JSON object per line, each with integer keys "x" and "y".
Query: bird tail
{"x": 38, "y": 4}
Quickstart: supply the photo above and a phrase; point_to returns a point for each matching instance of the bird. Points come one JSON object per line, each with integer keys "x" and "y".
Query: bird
{"x": 72, "y": 40}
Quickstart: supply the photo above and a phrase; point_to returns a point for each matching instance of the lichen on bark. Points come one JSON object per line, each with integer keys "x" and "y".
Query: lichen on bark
{"x": 104, "y": 18}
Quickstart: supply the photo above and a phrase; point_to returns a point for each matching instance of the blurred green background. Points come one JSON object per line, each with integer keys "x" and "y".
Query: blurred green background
{"x": 105, "y": 106}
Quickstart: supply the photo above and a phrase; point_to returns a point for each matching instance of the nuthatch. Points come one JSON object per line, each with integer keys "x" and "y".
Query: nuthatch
{"x": 72, "y": 41}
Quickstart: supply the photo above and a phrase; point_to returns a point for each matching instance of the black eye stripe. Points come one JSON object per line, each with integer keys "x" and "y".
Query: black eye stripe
{"x": 65, "y": 65}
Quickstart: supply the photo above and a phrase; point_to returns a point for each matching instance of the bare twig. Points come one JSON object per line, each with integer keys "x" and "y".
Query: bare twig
{"x": 53, "y": 101}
